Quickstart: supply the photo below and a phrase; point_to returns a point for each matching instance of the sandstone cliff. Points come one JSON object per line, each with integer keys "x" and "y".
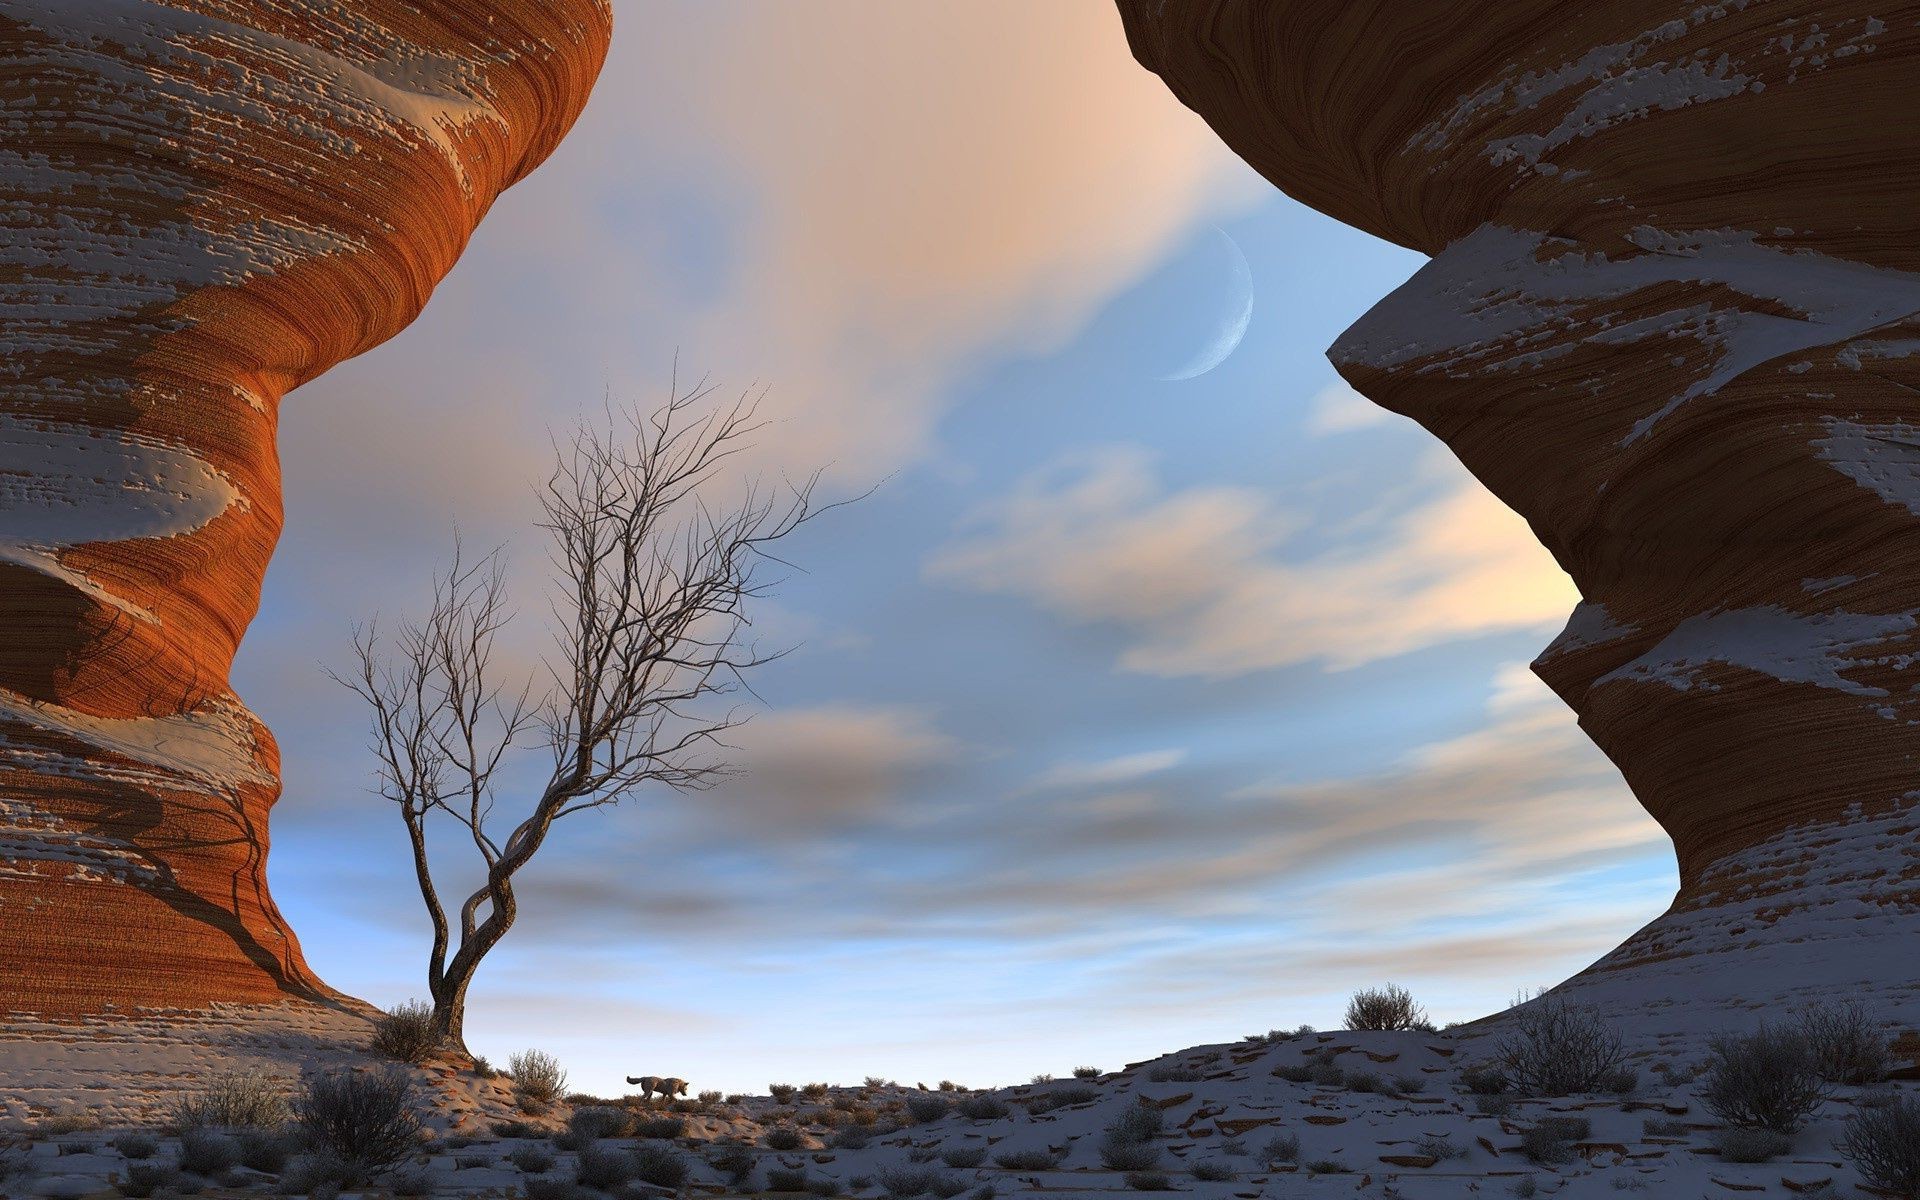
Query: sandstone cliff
{"x": 1672, "y": 318}
{"x": 203, "y": 204}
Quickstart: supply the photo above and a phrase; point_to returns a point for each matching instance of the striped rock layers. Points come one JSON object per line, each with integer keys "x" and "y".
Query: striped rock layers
{"x": 1672, "y": 317}
{"x": 203, "y": 203}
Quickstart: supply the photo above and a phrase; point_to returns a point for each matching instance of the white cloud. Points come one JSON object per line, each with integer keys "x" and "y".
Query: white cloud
{"x": 1109, "y": 771}
{"x": 1203, "y": 582}
{"x": 1337, "y": 408}
{"x": 812, "y": 768}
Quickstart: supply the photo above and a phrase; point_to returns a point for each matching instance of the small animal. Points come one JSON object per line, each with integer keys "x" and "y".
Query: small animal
{"x": 649, "y": 1084}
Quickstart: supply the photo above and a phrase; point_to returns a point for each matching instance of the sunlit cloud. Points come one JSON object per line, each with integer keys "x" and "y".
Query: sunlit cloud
{"x": 1337, "y": 408}
{"x": 1203, "y": 580}
{"x": 1109, "y": 771}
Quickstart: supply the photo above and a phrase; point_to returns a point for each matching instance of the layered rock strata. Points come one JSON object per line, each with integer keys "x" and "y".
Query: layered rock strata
{"x": 1672, "y": 317}
{"x": 203, "y": 204}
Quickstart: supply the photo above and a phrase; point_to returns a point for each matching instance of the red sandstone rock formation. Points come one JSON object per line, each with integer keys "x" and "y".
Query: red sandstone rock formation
{"x": 1673, "y": 319}
{"x": 203, "y": 203}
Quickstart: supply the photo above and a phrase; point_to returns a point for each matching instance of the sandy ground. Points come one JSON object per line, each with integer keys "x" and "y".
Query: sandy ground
{"x": 1386, "y": 1116}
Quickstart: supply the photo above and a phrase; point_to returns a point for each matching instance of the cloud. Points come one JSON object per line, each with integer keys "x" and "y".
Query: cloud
{"x": 1204, "y": 581}
{"x": 1337, "y": 408}
{"x": 1109, "y": 771}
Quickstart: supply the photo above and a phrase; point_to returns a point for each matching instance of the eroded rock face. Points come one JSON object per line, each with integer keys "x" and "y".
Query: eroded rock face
{"x": 203, "y": 203}
{"x": 1673, "y": 318}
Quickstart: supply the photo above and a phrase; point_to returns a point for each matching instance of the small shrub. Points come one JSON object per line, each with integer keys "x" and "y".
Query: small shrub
{"x": 916, "y": 1181}
{"x": 471, "y": 1162}
{"x": 1325, "y": 1166}
{"x": 786, "y": 1179}
{"x": 1027, "y": 1160}
{"x": 1525, "y": 1187}
{"x": 1175, "y": 1073}
{"x": 135, "y": 1145}
{"x": 1883, "y": 1144}
{"x": 1365, "y": 1081}
{"x": 922, "y": 1154}
{"x": 412, "y": 1182}
{"x": 361, "y": 1118}
{"x": 1664, "y": 1127}
{"x": 926, "y": 1109}
{"x": 660, "y": 1127}
{"x": 537, "y": 1076}
{"x": 1768, "y": 1079}
{"x": 405, "y": 1033}
{"x": 1493, "y": 1106}
{"x": 782, "y": 1093}
{"x": 983, "y": 1108}
{"x": 1409, "y": 1085}
{"x": 1741, "y": 1145}
{"x": 592, "y": 1124}
{"x": 144, "y": 1179}
{"x": 206, "y": 1152}
{"x": 1440, "y": 1149}
{"x": 322, "y": 1170}
{"x": 946, "y": 1187}
{"x": 1387, "y": 1008}
{"x": 852, "y": 1137}
{"x": 1294, "y": 1073}
{"x": 234, "y": 1100}
{"x": 1557, "y": 1048}
{"x": 1484, "y": 1079}
{"x": 661, "y": 1166}
{"x": 815, "y": 1091}
{"x": 964, "y": 1158}
{"x": 948, "y": 1085}
{"x": 1149, "y": 1181}
{"x": 1235, "y": 1147}
{"x": 1848, "y": 1044}
{"x": 530, "y": 1160}
{"x": 735, "y": 1160}
{"x": 1551, "y": 1140}
{"x": 482, "y": 1067}
{"x": 516, "y": 1129}
{"x": 709, "y": 1098}
{"x": 1325, "y": 1074}
{"x": 1281, "y": 1147}
{"x": 267, "y": 1150}
{"x": 1086, "y": 1072}
{"x": 603, "y": 1167}
{"x": 1129, "y": 1156}
{"x": 1621, "y": 1081}
{"x": 1063, "y": 1097}
{"x": 782, "y": 1137}
{"x": 1210, "y": 1171}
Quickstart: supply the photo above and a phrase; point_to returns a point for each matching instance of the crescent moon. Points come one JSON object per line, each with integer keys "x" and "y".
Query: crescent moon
{"x": 1226, "y": 338}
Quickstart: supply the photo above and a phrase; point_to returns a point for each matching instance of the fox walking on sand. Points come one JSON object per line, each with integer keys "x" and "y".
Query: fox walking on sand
{"x": 649, "y": 1084}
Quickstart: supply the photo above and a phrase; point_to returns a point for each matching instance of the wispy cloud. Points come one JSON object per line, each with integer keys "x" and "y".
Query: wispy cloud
{"x": 1109, "y": 771}
{"x": 1337, "y": 408}
{"x": 1205, "y": 580}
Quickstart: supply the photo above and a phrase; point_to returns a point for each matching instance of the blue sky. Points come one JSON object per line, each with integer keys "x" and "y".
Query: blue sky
{"x": 1125, "y": 714}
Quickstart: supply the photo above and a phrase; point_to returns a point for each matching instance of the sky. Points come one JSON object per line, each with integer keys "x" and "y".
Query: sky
{"x": 1125, "y": 714}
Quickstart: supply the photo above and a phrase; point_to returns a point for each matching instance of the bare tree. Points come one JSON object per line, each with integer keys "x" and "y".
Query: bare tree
{"x": 651, "y": 614}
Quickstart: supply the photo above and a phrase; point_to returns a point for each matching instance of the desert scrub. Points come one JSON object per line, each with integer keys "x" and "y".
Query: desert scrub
{"x": 208, "y": 1152}
{"x": 1325, "y": 1166}
{"x": 1294, "y": 1072}
{"x": 135, "y": 1145}
{"x": 1768, "y": 1079}
{"x": 412, "y": 1182}
{"x": 735, "y": 1160}
{"x": 782, "y": 1093}
{"x": 851, "y": 1137}
{"x": 471, "y": 1162}
{"x": 964, "y": 1158}
{"x": 1387, "y": 1008}
{"x": 1365, "y": 1081}
{"x": 660, "y": 1127}
{"x": 926, "y": 1109}
{"x": 1848, "y": 1044}
{"x": 144, "y": 1179}
{"x": 1440, "y": 1149}
{"x": 1213, "y": 1171}
{"x": 235, "y": 1100}
{"x": 1409, "y": 1085}
{"x": 1175, "y": 1073}
{"x": 1883, "y": 1144}
{"x": 1149, "y": 1181}
{"x": 1086, "y": 1072}
{"x": 588, "y": 1125}
{"x": 320, "y": 1172}
{"x": 1498, "y": 1105}
{"x": 1669, "y": 1127}
{"x": 530, "y": 1160}
{"x": 1062, "y": 1097}
{"x": 537, "y": 1077}
{"x": 782, "y": 1137}
{"x": 516, "y": 1129}
{"x": 815, "y": 1091}
{"x": 1027, "y": 1160}
{"x": 661, "y": 1166}
{"x": 786, "y": 1179}
{"x": 1741, "y": 1145}
{"x": 1483, "y": 1079}
{"x": 363, "y": 1118}
{"x": 267, "y": 1150}
{"x": 603, "y": 1167}
{"x": 1557, "y": 1048}
{"x": 1551, "y": 1139}
{"x": 918, "y": 1181}
{"x": 983, "y": 1108}
{"x": 405, "y": 1033}
{"x": 1281, "y": 1147}
{"x": 1128, "y": 1143}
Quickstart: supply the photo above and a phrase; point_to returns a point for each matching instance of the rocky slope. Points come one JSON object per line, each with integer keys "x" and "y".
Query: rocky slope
{"x": 1671, "y": 318}
{"x": 203, "y": 203}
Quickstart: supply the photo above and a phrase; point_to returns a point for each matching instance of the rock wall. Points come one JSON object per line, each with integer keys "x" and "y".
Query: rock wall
{"x": 1672, "y": 317}
{"x": 203, "y": 204}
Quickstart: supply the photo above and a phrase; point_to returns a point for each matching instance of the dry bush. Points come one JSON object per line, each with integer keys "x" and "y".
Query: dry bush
{"x": 364, "y": 1119}
{"x": 537, "y": 1076}
{"x": 406, "y": 1033}
{"x": 235, "y": 1100}
{"x": 1768, "y": 1079}
{"x": 1557, "y": 1048}
{"x": 1387, "y": 1008}
{"x": 1883, "y": 1144}
{"x": 1848, "y": 1043}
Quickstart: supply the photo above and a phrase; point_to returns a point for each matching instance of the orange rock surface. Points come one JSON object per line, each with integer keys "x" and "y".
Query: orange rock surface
{"x": 1672, "y": 317}
{"x": 203, "y": 204}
